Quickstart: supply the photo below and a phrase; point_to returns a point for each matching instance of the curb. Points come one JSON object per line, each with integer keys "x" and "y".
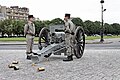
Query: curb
{"x": 99, "y": 42}
{"x": 37, "y": 43}
{"x": 16, "y": 44}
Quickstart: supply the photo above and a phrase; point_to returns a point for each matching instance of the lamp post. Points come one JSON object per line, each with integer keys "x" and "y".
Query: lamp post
{"x": 102, "y": 28}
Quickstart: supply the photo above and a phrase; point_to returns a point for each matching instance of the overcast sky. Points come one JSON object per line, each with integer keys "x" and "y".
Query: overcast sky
{"x": 85, "y": 9}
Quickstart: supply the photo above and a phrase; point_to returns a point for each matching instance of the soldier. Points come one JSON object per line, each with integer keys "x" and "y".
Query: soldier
{"x": 29, "y": 31}
{"x": 69, "y": 37}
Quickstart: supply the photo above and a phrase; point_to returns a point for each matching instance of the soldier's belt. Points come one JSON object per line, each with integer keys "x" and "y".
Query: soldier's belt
{"x": 31, "y": 34}
{"x": 69, "y": 32}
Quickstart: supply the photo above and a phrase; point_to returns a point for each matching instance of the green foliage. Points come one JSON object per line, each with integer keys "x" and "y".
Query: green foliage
{"x": 16, "y": 27}
{"x": 57, "y": 21}
{"x": 97, "y": 27}
{"x": 2, "y": 28}
{"x": 108, "y": 29}
{"x": 90, "y": 27}
{"x": 8, "y": 27}
{"x": 78, "y": 22}
{"x": 38, "y": 26}
{"x": 47, "y": 23}
{"x": 116, "y": 28}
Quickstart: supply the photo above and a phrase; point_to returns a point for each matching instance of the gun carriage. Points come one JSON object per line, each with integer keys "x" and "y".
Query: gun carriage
{"x": 52, "y": 41}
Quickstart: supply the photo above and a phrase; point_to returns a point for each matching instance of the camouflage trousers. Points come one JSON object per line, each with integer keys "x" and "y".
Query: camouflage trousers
{"x": 69, "y": 41}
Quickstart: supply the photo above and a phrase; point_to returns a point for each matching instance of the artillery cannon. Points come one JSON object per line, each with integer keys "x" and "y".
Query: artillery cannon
{"x": 52, "y": 41}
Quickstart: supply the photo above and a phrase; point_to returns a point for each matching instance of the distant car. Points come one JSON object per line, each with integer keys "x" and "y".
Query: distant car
{"x": 109, "y": 34}
{"x": 5, "y": 35}
{"x": 96, "y": 35}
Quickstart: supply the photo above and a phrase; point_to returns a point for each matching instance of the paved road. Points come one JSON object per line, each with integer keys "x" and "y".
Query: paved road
{"x": 114, "y": 45}
{"x": 96, "y": 64}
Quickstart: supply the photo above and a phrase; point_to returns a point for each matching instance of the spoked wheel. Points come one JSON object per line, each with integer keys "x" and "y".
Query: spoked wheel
{"x": 79, "y": 42}
{"x": 44, "y": 39}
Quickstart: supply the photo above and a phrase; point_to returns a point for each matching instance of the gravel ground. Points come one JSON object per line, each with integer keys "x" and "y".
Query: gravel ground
{"x": 94, "y": 65}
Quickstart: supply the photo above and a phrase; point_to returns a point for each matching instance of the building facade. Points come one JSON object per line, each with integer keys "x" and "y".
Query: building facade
{"x": 14, "y": 12}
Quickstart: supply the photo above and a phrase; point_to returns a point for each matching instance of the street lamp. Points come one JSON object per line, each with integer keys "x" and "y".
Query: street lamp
{"x": 102, "y": 28}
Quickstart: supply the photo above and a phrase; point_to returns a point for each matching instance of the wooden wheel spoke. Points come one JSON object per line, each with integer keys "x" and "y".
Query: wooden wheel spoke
{"x": 81, "y": 49}
{"x": 43, "y": 38}
{"x": 80, "y": 42}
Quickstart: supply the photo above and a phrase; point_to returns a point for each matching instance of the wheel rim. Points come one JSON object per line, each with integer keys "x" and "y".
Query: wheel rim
{"x": 43, "y": 38}
{"x": 79, "y": 43}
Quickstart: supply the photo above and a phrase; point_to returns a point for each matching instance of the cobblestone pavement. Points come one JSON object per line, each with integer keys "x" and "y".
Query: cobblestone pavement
{"x": 94, "y": 65}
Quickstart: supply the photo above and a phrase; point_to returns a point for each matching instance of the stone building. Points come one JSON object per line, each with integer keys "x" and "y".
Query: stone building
{"x": 13, "y": 12}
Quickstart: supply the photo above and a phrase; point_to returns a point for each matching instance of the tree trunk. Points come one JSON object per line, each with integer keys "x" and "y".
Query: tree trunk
{"x": 2, "y": 34}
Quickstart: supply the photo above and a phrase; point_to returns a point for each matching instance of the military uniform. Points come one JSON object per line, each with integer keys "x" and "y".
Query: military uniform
{"x": 29, "y": 30}
{"x": 69, "y": 36}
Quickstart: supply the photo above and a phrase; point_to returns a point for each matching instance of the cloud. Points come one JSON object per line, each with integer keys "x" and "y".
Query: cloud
{"x": 85, "y": 9}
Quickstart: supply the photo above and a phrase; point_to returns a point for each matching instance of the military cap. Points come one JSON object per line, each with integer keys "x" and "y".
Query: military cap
{"x": 67, "y": 15}
{"x": 30, "y": 16}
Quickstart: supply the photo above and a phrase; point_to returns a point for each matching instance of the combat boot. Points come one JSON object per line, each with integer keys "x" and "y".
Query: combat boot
{"x": 28, "y": 56}
{"x": 33, "y": 53}
{"x": 69, "y": 58}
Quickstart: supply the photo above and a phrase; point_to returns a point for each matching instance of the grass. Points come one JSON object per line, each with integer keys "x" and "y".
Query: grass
{"x": 98, "y": 37}
{"x": 16, "y": 39}
{"x": 36, "y": 38}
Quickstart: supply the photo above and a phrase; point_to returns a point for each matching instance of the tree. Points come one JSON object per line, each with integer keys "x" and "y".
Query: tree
{"x": 38, "y": 26}
{"x": 2, "y": 28}
{"x": 78, "y": 22}
{"x": 90, "y": 27}
{"x": 57, "y": 21}
{"x": 47, "y": 23}
{"x": 116, "y": 28}
{"x": 97, "y": 27}
{"x": 7, "y": 27}
{"x": 18, "y": 27}
{"x": 108, "y": 29}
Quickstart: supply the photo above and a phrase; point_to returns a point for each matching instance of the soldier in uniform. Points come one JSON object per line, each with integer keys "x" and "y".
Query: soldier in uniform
{"x": 29, "y": 31}
{"x": 69, "y": 37}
